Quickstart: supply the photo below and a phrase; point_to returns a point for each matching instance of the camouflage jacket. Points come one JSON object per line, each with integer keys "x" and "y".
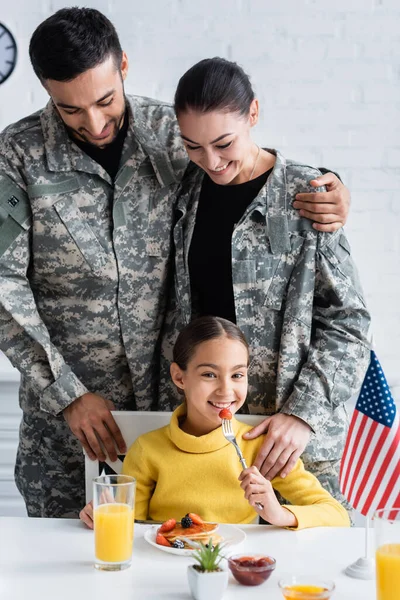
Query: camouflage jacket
{"x": 298, "y": 301}
{"x": 84, "y": 260}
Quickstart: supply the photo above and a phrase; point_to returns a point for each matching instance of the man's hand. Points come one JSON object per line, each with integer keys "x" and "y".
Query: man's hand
{"x": 257, "y": 490}
{"x": 91, "y": 421}
{"x": 328, "y": 210}
{"x": 286, "y": 438}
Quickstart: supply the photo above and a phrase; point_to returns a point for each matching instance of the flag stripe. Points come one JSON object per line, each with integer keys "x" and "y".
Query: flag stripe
{"x": 358, "y": 455}
{"x": 394, "y": 495}
{"x": 376, "y": 456}
{"x": 360, "y": 434}
{"x": 344, "y": 473}
{"x": 389, "y": 485}
{"x": 377, "y": 465}
{"x": 380, "y": 478}
{"x": 383, "y": 501}
{"x": 364, "y": 474}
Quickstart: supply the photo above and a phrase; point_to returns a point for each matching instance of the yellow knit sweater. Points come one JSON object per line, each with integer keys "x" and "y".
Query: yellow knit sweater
{"x": 177, "y": 473}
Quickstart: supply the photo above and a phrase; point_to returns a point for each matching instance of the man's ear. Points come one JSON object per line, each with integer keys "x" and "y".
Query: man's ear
{"x": 124, "y": 66}
{"x": 254, "y": 112}
{"x": 177, "y": 375}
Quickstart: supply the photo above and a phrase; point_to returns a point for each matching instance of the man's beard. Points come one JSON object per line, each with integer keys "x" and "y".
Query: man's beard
{"x": 116, "y": 121}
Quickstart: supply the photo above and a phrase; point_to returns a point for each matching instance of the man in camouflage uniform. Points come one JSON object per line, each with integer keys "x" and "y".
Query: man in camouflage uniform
{"x": 82, "y": 293}
{"x": 299, "y": 302}
{"x": 84, "y": 255}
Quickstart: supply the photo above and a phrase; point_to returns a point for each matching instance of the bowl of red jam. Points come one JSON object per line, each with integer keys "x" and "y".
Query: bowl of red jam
{"x": 251, "y": 570}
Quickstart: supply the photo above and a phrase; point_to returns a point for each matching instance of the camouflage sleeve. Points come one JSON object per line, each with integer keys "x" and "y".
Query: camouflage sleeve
{"x": 168, "y": 133}
{"x": 24, "y": 339}
{"x": 339, "y": 350}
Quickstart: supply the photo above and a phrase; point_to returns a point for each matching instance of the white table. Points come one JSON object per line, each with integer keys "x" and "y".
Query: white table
{"x": 52, "y": 559}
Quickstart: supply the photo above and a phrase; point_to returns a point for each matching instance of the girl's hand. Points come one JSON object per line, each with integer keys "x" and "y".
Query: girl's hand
{"x": 258, "y": 489}
{"x": 86, "y": 515}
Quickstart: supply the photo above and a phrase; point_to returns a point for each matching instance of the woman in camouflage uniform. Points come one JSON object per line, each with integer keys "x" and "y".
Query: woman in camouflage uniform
{"x": 244, "y": 253}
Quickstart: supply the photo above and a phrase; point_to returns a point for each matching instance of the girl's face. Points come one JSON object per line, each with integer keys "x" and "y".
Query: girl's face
{"x": 215, "y": 378}
{"x": 220, "y": 143}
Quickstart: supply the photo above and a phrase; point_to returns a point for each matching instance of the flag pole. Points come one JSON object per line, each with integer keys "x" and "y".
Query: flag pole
{"x": 367, "y": 538}
{"x": 364, "y": 567}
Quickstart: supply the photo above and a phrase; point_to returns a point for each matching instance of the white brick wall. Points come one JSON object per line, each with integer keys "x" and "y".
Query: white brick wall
{"x": 327, "y": 77}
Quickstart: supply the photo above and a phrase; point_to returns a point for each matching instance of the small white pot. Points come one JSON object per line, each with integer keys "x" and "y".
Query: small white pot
{"x": 207, "y": 586}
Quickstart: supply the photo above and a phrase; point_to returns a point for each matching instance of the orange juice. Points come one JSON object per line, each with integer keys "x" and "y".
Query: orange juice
{"x": 305, "y": 592}
{"x": 388, "y": 572}
{"x": 113, "y": 532}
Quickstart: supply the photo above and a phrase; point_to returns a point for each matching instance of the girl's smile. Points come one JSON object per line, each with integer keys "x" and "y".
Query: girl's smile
{"x": 215, "y": 378}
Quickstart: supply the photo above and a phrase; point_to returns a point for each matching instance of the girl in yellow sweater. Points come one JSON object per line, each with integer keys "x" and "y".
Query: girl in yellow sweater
{"x": 189, "y": 466}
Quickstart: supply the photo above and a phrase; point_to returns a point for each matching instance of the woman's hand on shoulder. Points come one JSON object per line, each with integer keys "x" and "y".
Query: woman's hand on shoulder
{"x": 285, "y": 440}
{"x": 329, "y": 210}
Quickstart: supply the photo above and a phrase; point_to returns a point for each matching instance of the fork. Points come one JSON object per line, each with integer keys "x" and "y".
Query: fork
{"x": 230, "y": 436}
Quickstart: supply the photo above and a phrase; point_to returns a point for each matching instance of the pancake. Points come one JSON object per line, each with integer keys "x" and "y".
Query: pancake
{"x": 193, "y": 532}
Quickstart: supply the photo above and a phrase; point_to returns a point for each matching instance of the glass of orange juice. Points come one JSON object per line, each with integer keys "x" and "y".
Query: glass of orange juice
{"x": 114, "y": 513}
{"x": 387, "y": 539}
{"x": 306, "y": 588}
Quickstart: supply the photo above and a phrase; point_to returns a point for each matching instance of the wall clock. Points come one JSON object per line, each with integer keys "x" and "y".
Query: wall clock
{"x": 8, "y": 53}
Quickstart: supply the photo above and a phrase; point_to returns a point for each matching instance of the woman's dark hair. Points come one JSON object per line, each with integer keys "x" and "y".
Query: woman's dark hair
{"x": 202, "y": 330}
{"x": 72, "y": 41}
{"x": 214, "y": 84}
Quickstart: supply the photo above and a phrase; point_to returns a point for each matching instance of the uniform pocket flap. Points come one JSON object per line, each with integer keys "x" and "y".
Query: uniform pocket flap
{"x": 146, "y": 169}
{"x": 81, "y": 233}
{"x": 273, "y": 298}
{"x": 48, "y": 189}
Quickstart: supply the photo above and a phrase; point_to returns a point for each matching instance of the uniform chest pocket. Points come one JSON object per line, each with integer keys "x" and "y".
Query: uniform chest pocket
{"x": 81, "y": 232}
{"x": 280, "y": 269}
{"x": 159, "y": 248}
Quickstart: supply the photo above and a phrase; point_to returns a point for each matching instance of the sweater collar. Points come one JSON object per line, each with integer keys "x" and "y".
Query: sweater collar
{"x": 196, "y": 445}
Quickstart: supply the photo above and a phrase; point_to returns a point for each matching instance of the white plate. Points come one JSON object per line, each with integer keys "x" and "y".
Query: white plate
{"x": 231, "y": 535}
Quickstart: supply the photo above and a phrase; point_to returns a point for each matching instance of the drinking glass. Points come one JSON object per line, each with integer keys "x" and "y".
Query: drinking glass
{"x": 387, "y": 543}
{"x": 113, "y": 515}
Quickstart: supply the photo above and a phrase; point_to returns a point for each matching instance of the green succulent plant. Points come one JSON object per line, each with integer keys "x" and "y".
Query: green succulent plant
{"x": 208, "y": 557}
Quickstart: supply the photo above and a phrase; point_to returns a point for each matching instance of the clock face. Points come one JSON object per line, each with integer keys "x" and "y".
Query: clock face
{"x": 8, "y": 53}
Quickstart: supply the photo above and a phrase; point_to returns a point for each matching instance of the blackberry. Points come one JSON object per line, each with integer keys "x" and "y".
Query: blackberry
{"x": 186, "y": 521}
{"x": 178, "y": 544}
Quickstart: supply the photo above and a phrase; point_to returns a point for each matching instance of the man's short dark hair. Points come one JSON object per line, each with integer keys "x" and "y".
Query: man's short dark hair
{"x": 72, "y": 41}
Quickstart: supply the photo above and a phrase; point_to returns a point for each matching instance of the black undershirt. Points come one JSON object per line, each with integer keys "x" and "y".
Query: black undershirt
{"x": 108, "y": 157}
{"x": 210, "y": 256}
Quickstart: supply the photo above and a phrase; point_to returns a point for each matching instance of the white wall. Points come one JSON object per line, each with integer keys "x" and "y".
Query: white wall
{"x": 327, "y": 76}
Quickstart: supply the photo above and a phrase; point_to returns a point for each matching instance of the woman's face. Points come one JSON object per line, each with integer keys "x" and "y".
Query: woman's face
{"x": 215, "y": 378}
{"x": 220, "y": 143}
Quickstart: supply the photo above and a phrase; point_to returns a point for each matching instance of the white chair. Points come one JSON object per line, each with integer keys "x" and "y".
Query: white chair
{"x": 133, "y": 424}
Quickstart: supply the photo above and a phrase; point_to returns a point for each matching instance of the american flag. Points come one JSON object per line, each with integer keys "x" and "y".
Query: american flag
{"x": 370, "y": 469}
